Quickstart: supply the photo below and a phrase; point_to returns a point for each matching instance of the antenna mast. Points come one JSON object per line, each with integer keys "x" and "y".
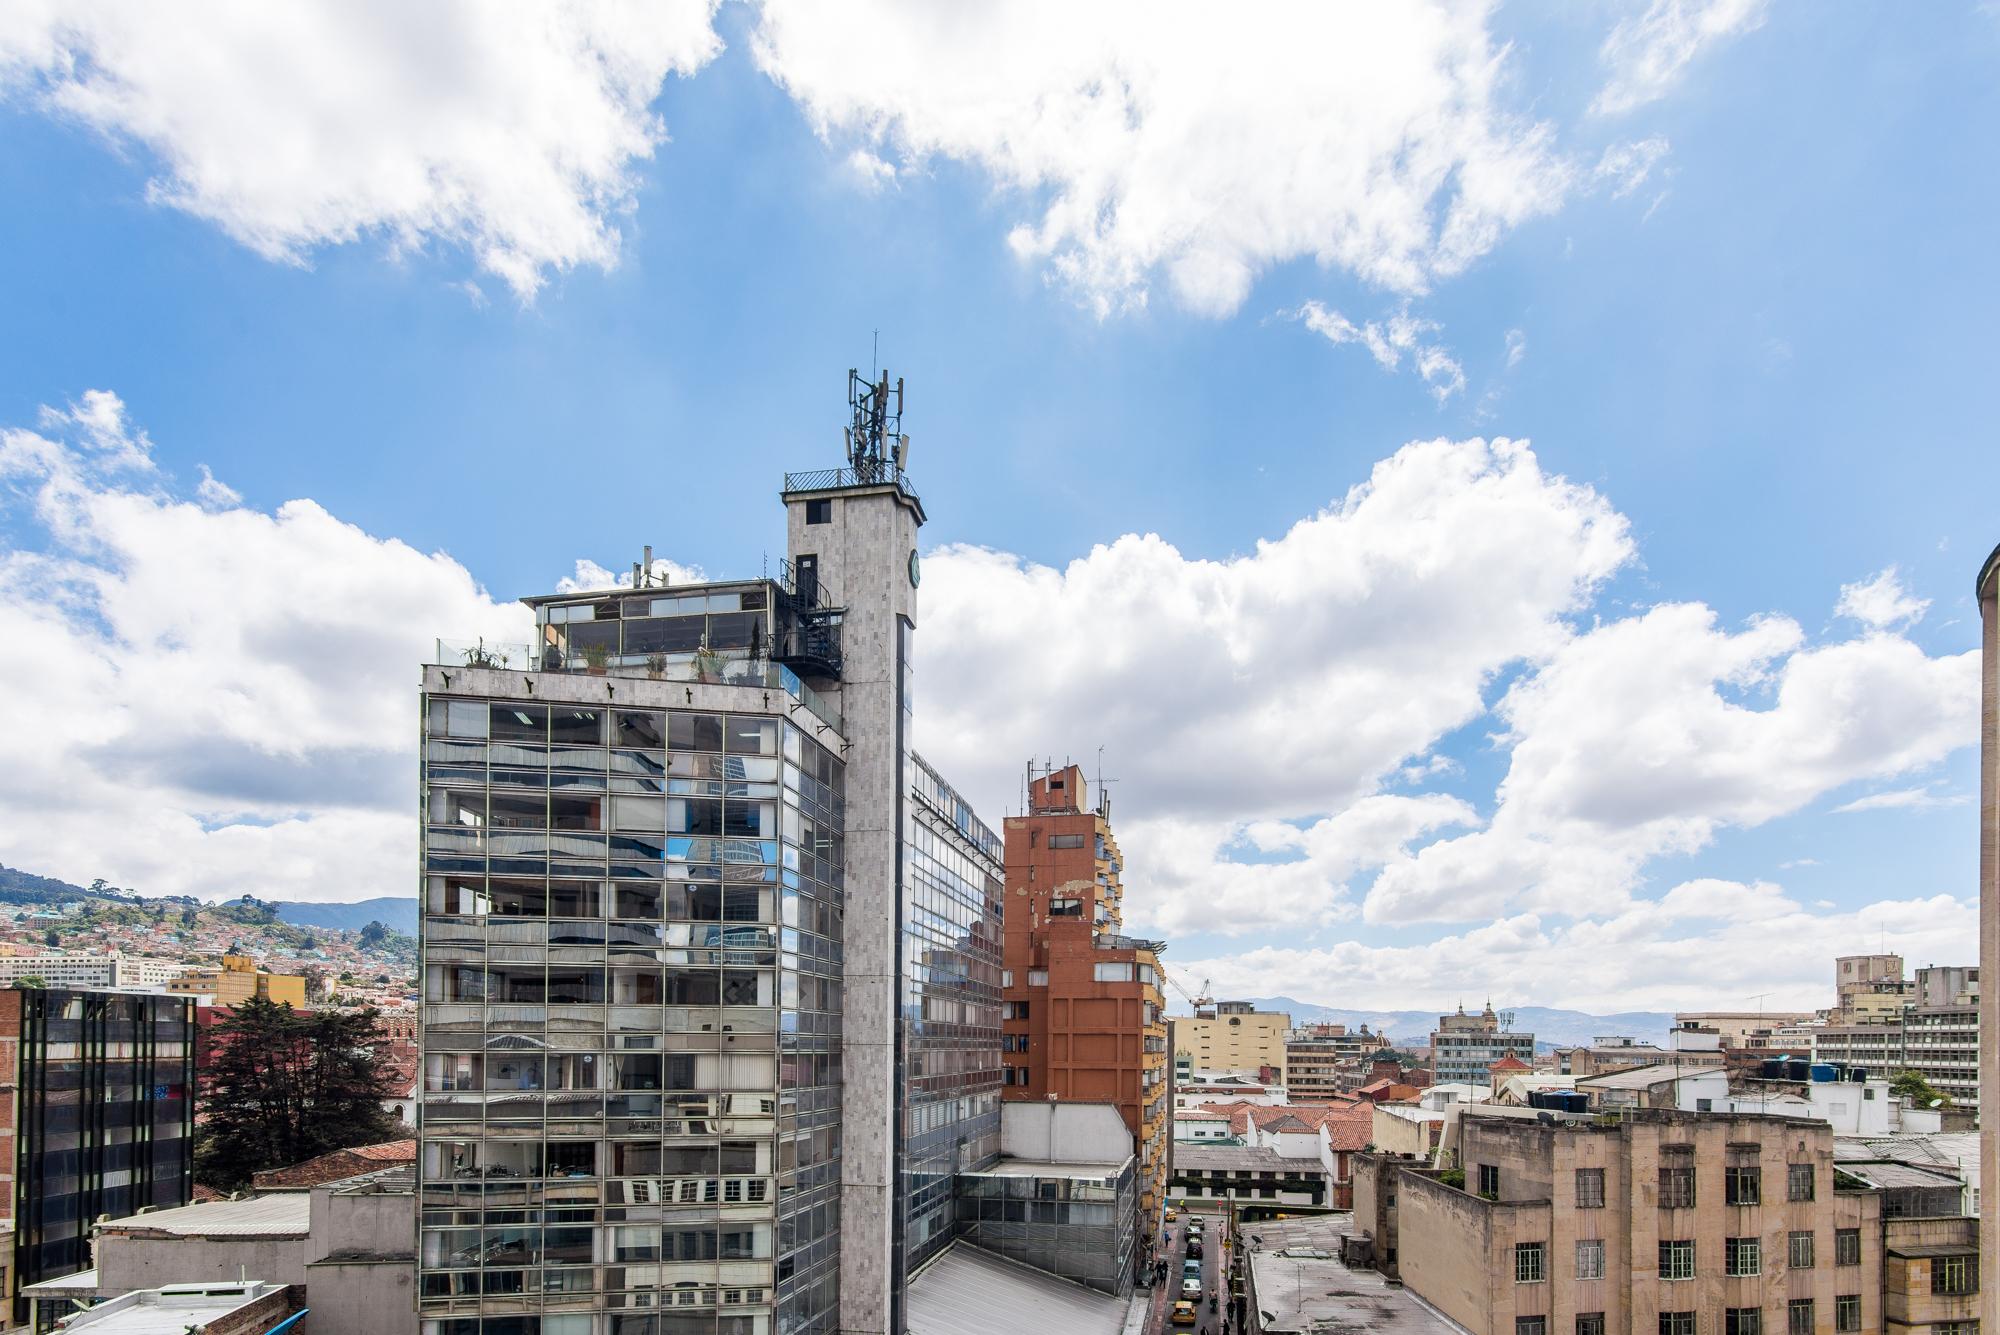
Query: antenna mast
{"x": 877, "y": 449}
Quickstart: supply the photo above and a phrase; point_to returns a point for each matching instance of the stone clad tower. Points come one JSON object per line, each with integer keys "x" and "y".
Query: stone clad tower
{"x": 856, "y": 538}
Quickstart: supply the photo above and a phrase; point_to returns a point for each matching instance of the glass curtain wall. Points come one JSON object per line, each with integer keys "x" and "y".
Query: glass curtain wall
{"x": 631, "y": 945}
{"x": 954, "y": 887}
{"x": 105, "y": 1106}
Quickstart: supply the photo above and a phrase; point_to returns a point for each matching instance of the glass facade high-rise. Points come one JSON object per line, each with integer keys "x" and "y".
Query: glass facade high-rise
{"x": 953, "y": 888}
{"x": 103, "y": 1117}
{"x": 711, "y": 957}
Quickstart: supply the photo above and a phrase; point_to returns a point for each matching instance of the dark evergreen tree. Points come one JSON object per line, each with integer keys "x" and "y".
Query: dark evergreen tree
{"x": 288, "y": 1085}
{"x": 374, "y": 934}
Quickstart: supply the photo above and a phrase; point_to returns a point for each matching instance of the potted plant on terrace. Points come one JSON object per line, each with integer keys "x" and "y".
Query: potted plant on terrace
{"x": 595, "y": 657}
{"x": 656, "y": 666}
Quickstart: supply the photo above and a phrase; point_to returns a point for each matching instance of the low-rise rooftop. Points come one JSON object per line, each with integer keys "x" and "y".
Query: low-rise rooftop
{"x": 970, "y": 1291}
{"x": 283, "y": 1214}
{"x": 1302, "y": 1287}
{"x": 1197, "y": 1157}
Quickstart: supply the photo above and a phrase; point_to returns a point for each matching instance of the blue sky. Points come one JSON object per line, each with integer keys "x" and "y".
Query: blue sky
{"x": 1726, "y": 266}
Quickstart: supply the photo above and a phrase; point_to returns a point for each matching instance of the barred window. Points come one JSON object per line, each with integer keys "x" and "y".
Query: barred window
{"x": 1847, "y": 1246}
{"x": 1677, "y": 1259}
{"x": 1799, "y": 1182}
{"x": 1743, "y": 1321}
{"x": 1847, "y": 1312}
{"x": 1529, "y": 1266}
{"x": 1677, "y": 1323}
{"x": 1955, "y": 1328}
{"x": 1742, "y": 1185}
{"x": 1590, "y": 1188}
{"x": 1800, "y": 1251}
{"x": 1743, "y": 1256}
{"x": 1590, "y": 1258}
{"x": 1955, "y": 1274}
{"x": 1677, "y": 1187}
{"x": 1799, "y": 1317}
{"x": 1590, "y": 1323}
{"x": 1531, "y": 1325}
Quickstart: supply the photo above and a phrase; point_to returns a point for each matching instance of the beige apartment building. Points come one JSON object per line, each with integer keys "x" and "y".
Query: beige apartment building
{"x": 1237, "y": 1037}
{"x": 1987, "y": 590}
{"x": 1667, "y": 1222}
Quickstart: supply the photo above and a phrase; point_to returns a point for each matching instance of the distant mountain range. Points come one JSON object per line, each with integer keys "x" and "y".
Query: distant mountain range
{"x": 398, "y": 913}
{"x": 1558, "y": 1028}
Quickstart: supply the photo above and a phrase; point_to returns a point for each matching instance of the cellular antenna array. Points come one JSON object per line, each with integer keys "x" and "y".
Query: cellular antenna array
{"x": 877, "y": 449}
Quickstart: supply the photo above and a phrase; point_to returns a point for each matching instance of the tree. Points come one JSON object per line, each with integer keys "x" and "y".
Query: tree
{"x": 51, "y": 938}
{"x": 31, "y": 980}
{"x": 1920, "y": 1092}
{"x": 374, "y": 934}
{"x": 288, "y": 1085}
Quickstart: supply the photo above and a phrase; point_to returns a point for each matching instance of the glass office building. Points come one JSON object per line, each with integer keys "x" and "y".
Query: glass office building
{"x": 711, "y": 957}
{"x": 632, "y": 1014}
{"x": 103, "y": 1117}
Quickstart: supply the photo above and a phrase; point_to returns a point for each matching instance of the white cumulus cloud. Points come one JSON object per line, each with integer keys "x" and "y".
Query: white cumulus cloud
{"x": 1881, "y": 602}
{"x": 1646, "y": 735}
{"x": 1191, "y": 142}
{"x": 512, "y": 129}
{"x": 222, "y": 697}
{"x": 1746, "y": 946}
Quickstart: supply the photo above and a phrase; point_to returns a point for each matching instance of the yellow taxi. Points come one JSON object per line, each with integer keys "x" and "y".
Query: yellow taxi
{"x": 1184, "y": 1314}
{"x": 1171, "y": 1216}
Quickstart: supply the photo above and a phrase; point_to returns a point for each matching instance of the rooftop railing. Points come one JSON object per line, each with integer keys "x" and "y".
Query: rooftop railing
{"x": 715, "y": 669}
{"x": 833, "y": 479}
{"x": 1113, "y": 941}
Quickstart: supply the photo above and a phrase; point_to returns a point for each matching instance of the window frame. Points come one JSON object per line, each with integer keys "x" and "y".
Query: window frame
{"x": 1734, "y": 1252}
{"x": 1804, "y": 1257}
{"x": 1797, "y": 1174}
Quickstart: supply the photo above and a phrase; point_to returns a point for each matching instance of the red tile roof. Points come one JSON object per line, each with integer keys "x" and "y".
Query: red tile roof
{"x": 339, "y": 1164}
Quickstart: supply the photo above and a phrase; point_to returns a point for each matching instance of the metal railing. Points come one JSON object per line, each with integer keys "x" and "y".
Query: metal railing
{"x": 833, "y": 479}
{"x": 716, "y": 669}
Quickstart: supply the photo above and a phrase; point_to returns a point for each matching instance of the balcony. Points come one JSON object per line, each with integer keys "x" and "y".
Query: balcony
{"x": 1113, "y": 941}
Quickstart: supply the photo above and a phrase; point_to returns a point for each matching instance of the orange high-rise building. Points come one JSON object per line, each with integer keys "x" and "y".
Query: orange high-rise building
{"x": 1084, "y": 1018}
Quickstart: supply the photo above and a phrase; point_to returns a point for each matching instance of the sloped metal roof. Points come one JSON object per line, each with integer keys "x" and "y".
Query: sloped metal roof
{"x": 971, "y": 1291}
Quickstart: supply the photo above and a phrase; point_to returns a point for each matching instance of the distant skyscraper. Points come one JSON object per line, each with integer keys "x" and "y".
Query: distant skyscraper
{"x": 711, "y": 956}
{"x": 1988, "y": 592}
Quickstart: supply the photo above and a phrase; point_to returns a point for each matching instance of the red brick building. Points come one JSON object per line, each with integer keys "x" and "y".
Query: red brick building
{"x": 1084, "y": 1017}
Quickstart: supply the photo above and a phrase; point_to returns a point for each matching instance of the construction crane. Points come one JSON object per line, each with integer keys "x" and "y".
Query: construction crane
{"x": 1198, "y": 1002}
